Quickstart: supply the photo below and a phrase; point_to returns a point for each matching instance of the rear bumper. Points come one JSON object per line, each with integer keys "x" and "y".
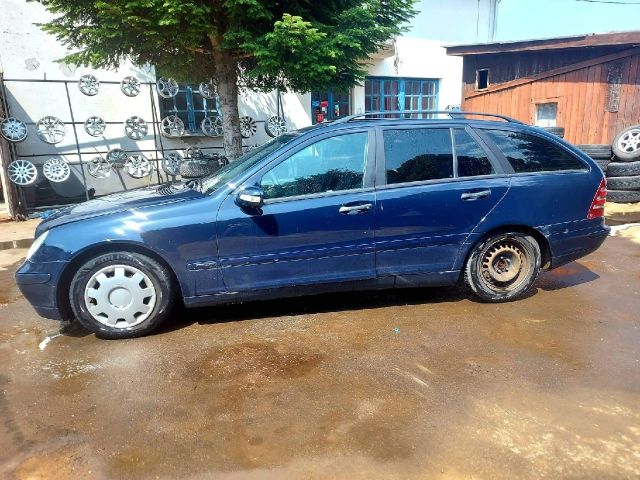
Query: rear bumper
{"x": 569, "y": 246}
{"x": 38, "y": 283}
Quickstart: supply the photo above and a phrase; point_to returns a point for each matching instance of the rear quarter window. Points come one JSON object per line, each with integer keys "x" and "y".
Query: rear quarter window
{"x": 528, "y": 153}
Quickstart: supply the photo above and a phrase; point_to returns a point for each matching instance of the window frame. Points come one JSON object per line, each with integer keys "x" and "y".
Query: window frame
{"x": 369, "y": 169}
{"x": 381, "y": 165}
{"x": 402, "y": 93}
{"x": 507, "y": 166}
{"x": 477, "y": 84}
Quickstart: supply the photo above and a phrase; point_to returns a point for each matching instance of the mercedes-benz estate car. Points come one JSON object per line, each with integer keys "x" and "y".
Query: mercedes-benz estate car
{"x": 367, "y": 202}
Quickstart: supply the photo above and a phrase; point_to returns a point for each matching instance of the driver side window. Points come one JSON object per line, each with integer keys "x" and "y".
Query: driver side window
{"x": 330, "y": 165}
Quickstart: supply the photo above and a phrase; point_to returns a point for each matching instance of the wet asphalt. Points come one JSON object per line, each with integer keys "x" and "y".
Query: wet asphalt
{"x": 407, "y": 384}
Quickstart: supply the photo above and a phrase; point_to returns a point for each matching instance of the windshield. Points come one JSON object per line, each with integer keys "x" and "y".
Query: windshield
{"x": 242, "y": 164}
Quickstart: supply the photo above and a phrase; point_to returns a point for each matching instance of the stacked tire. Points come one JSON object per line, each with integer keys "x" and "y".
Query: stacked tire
{"x": 600, "y": 153}
{"x": 623, "y": 173}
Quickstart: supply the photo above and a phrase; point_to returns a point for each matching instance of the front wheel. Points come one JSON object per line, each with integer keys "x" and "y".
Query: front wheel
{"x": 503, "y": 267}
{"x": 118, "y": 295}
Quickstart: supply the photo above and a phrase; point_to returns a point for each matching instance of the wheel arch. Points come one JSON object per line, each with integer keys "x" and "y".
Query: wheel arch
{"x": 83, "y": 256}
{"x": 543, "y": 242}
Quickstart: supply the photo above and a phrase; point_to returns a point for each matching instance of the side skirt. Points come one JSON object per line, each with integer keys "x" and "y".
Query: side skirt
{"x": 380, "y": 283}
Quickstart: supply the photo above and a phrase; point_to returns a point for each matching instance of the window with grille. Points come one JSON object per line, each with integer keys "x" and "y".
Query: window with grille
{"x": 190, "y": 107}
{"x": 388, "y": 94}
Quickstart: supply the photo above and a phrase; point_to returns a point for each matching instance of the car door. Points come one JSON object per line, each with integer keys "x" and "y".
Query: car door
{"x": 316, "y": 224}
{"x": 435, "y": 184}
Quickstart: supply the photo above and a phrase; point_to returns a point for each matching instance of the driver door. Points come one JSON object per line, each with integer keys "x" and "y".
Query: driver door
{"x": 317, "y": 221}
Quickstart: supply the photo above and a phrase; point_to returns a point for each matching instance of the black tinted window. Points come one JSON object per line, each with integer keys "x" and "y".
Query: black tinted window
{"x": 330, "y": 165}
{"x": 472, "y": 160}
{"x": 418, "y": 154}
{"x": 529, "y": 153}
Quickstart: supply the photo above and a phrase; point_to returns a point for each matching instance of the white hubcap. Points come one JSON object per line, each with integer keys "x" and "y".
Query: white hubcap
{"x": 120, "y": 296}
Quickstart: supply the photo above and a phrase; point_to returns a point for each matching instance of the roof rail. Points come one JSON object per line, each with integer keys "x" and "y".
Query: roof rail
{"x": 452, "y": 113}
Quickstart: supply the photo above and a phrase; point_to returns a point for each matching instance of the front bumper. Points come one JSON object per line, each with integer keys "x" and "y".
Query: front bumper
{"x": 38, "y": 283}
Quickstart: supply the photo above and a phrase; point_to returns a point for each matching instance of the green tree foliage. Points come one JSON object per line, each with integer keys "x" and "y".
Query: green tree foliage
{"x": 302, "y": 45}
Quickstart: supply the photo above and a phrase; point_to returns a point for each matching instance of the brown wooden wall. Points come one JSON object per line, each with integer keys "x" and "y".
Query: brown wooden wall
{"x": 581, "y": 85}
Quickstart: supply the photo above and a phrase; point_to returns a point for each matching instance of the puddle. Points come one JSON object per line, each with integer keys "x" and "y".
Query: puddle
{"x": 14, "y": 244}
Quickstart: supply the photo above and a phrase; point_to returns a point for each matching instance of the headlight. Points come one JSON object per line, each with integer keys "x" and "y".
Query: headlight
{"x": 36, "y": 245}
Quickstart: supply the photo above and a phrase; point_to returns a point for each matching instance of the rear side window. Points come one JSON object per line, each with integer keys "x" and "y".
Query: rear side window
{"x": 472, "y": 159}
{"x": 418, "y": 154}
{"x": 529, "y": 153}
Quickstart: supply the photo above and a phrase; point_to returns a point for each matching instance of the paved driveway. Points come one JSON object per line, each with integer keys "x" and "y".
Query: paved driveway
{"x": 406, "y": 384}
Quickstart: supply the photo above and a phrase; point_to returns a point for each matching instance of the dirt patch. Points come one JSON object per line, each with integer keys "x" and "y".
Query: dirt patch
{"x": 9, "y": 292}
{"x": 255, "y": 363}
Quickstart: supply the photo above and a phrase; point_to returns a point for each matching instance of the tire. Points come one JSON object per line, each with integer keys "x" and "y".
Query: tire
{"x": 626, "y": 144}
{"x": 603, "y": 164}
{"x": 500, "y": 287}
{"x": 624, "y": 183}
{"x": 597, "y": 152}
{"x": 147, "y": 310}
{"x": 557, "y": 131}
{"x": 195, "y": 169}
{"x": 623, "y": 196}
{"x": 623, "y": 169}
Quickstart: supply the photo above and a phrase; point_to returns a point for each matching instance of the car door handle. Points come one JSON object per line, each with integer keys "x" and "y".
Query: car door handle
{"x": 353, "y": 209}
{"x": 470, "y": 196}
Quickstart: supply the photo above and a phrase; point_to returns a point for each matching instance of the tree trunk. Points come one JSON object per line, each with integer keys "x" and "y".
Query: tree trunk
{"x": 226, "y": 68}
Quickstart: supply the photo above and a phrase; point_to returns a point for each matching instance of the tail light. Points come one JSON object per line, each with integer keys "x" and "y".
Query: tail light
{"x": 596, "y": 209}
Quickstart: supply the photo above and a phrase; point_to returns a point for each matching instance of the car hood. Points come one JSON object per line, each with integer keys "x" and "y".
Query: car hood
{"x": 118, "y": 202}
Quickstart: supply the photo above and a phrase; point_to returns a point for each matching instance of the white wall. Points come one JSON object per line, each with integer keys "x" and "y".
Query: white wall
{"x": 418, "y": 58}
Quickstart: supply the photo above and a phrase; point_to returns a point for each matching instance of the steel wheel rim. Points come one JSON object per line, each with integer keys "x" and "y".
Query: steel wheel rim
{"x": 120, "y": 296}
{"x": 504, "y": 265}
{"x": 630, "y": 141}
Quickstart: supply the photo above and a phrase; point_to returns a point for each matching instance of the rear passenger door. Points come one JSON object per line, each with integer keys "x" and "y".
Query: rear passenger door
{"x": 434, "y": 185}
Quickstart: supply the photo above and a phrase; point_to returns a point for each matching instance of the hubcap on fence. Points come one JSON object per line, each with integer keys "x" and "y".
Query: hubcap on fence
{"x": 120, "y": 296}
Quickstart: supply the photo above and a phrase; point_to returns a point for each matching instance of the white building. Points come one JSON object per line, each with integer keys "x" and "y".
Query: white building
{"x": 412, "y": 73}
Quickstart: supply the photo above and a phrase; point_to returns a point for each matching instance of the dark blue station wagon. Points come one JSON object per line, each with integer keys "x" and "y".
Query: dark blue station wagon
{"x": 366, "y": 202}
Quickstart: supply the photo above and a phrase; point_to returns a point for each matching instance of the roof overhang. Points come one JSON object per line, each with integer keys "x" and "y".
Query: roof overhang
{"x": 590, "y": 40}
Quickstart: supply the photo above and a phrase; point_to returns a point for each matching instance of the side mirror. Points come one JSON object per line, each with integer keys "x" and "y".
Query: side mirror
{"x": 250, "y": 197}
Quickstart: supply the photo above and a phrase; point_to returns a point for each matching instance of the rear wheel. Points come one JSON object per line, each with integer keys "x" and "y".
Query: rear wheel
{"x": 503, "y": 267}
{"x": 118, "y": 295}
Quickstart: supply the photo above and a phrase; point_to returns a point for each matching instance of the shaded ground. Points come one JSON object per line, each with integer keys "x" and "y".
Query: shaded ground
{"x": 400, "y": 385}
